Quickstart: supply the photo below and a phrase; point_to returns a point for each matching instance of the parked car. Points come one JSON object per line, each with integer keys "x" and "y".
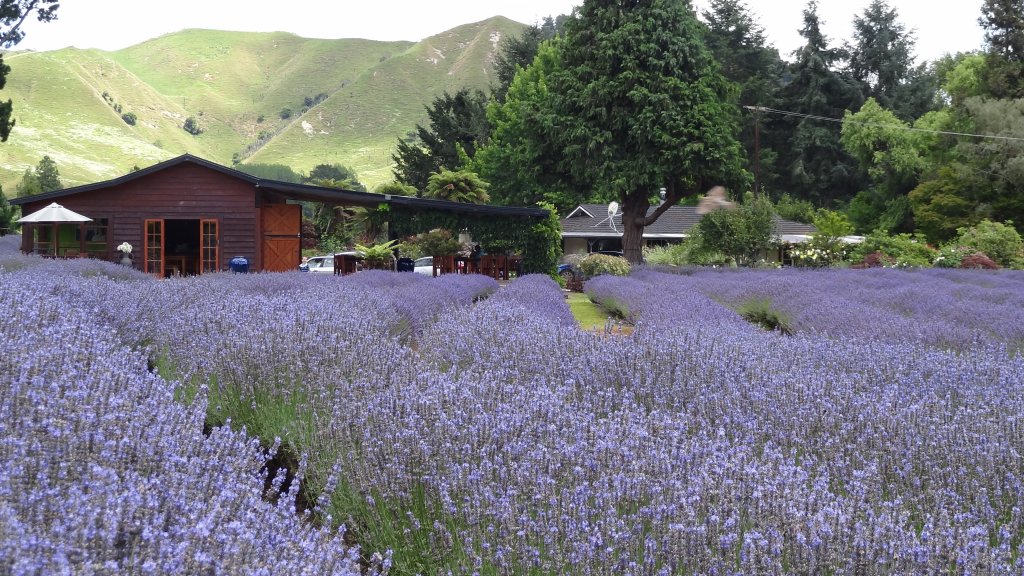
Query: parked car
{"x": 322, "y": 264}
{"x": 424, "y": 265}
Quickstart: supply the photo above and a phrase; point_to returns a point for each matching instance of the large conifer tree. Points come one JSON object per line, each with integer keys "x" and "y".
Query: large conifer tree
{"x": 639, "y": 104}
{"x": 816, "y": 166}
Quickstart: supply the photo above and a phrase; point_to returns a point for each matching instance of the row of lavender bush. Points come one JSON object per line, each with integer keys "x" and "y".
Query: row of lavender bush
{"x": 493, "y": 436}
{"x": 104, "y": 472}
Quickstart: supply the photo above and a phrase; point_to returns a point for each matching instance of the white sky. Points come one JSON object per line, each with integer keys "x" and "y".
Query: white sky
{"x": 941, "y": 27}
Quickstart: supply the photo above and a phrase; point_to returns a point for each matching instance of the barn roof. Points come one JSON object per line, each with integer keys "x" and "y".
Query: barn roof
{"x": 296, "y": 192}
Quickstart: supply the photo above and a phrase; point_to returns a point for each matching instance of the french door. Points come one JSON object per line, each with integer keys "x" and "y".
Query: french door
{"x": 154, "y": 250}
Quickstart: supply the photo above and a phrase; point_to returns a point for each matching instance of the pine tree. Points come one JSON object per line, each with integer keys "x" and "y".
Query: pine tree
{"x": 816, "y": 168}
{"x": 1003, "y": 22}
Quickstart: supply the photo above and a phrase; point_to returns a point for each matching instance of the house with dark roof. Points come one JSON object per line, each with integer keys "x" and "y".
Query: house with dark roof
{"x": 188, "y": 215}
{"x": 588, "y": 228}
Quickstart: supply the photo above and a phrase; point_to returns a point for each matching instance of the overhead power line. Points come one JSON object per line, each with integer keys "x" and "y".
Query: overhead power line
{"x": 876, "y": 124}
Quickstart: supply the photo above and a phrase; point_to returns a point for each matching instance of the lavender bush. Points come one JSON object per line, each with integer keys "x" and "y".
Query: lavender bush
{"x": 106, "y": 474}
{"x": 477, "y": 429}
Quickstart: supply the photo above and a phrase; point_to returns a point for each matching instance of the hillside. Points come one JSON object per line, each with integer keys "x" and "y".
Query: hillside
{"x": 237, "y": 85}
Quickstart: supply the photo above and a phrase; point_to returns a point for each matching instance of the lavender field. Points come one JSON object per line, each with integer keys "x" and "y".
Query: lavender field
{"x": 449, "y": 425}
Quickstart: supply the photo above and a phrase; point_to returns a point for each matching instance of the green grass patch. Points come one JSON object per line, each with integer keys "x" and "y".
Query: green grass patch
{"x": 761, "y": 311}
{"x": 590, "y": 315}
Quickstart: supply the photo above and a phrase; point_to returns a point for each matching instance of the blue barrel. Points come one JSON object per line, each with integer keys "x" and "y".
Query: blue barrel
{"x": 239, "y": 264}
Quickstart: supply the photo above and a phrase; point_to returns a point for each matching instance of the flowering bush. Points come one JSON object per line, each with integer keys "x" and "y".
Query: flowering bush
{"x": 476, "y": 429}
{"x": 903, "y": 249}
{"x": 999, "y": 241}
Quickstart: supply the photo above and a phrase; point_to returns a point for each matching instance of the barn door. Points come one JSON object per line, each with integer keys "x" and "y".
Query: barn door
{"x": 209, "y": 246}
{"x": 282, "y": 225}
{"x": 153, "y": 248}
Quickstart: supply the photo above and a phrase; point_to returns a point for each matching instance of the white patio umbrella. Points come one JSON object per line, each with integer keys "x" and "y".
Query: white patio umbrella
{"x": 53, "y": 214}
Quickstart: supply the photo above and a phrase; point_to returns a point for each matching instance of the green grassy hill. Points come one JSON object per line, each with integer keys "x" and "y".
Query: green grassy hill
{"x": 365, "y": 94}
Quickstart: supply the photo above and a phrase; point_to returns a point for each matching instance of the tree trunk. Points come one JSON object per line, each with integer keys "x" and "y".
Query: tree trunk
{"x": 634, "y": 214}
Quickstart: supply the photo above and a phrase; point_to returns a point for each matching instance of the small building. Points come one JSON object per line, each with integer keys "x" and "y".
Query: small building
{"x": 588, "y": 228}
{"x": 188, "y": 215}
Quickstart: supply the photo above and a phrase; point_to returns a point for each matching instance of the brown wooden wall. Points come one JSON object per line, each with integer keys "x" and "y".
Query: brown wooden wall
{"x": 186, "y": 192}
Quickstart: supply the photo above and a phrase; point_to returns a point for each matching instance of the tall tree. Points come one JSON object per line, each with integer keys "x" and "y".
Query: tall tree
{"x": 881, "y": 58}
{"x": 881, "y": 53}
{"x": 640, "y": 105}
{"x": 739, "y": 45}
{"x": 12, "y": 14}
{"x": 518, "y": 52}
{"x": 48, "y": 175}
{"x": 519, "y": 161}
{"x": 1003, "y": 22}
{"x": 458, "y": 126}
{"x": 816, "y": 166}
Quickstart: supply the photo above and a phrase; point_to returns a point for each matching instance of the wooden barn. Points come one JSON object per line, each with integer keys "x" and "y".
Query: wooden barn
{"x": 187, "y": 215}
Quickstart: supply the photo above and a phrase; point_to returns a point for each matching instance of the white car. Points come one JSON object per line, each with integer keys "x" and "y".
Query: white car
{"x": 424, "y": 265}
{"x": 322, "y": 264}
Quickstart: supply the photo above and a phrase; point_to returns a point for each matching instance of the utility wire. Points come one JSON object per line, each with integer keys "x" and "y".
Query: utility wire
{"x": 875, "y": 124}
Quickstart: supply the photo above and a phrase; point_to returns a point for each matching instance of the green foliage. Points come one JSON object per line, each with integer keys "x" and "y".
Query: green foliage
{"x": 457, "y": 186}
{"x": 942, "y": 205}
{"x": 690, "y": 252}
{"x": 8, "y": 214}
{"x": 826, "y": 247}
{"x": 458, "y": 120}
{"x": 832, "y": 225}
{"x": 881, "y": 59}
{"x": 999, "y": 241}
{"x": 761, "y": 312}
{"x": 741, "y": 234}
{"x": 1003, "y": 22}
{"x": 437, "y": 242}
{"x": 334, "y": 176}
{"x": 191, "y": 126}
{"x": 29, "y": 184}
{"x": 129, "y": 118}
{"x": 952, "y": 255}
{"x": 597, "y": 264}
{"x": 638, "y": 105}
{"x": 904, "y": 249}
{"x": 519, "y": 161}
{"x": 395, "y": 188}
{"x": 379, "y": 255}
{"x": 815, "y": 165}
{"x": 542, "y": 247}
{"x": 964, "y": 78}
{"x": 279, "y": 172}
{"x": 48, "y": 175}
{"x": 795, "y": 209}
{"x": 517, "y": 52}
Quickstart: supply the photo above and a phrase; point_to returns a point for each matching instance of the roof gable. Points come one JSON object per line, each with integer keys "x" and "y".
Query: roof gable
{"x": 184, "y": 158}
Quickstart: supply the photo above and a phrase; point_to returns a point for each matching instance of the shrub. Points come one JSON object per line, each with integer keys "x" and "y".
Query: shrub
{"x": 978, "y": 260}
{"x": 951, "y": 255}
{"x": 903, "y": 249}
{"x": 129, "y": 118}
{"x": 999, "y": 241}
{"x": 437, "y": 242}
{"x": 192, "y": 126}
{"x": 597, "y": 264}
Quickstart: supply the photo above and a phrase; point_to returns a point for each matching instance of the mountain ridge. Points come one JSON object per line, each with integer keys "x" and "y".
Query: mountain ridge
{"x": 350, "y": 100}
